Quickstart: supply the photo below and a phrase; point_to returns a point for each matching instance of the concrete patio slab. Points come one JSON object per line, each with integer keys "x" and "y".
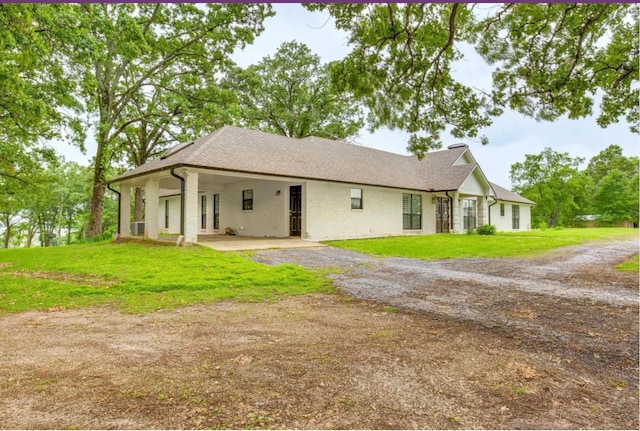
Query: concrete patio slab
{"x": 239, "y": 243}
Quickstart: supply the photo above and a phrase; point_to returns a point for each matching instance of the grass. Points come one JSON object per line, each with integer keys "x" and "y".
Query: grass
{"x": 631, "y": 265}
{"x": 141, "y": 277}
{"x": 443, "y": 246}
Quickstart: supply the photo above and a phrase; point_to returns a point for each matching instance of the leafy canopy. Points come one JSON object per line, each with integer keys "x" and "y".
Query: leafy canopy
{"x": 291, "y": 94}
{"x": 549, "y": 60}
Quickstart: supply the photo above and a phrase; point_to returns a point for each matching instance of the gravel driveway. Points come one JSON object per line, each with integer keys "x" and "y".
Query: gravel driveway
{"x": 570, "y": 298}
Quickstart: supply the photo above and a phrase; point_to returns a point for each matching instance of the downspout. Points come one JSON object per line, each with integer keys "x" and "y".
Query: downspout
{"x": 173, "y": 174}
{"x": 446, "y": 193}
{"x": 119, "y": 206}
{"x": 495, "y": 201}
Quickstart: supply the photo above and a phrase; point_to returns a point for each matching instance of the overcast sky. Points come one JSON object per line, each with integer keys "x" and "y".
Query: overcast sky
{"x": 511, "y": 136}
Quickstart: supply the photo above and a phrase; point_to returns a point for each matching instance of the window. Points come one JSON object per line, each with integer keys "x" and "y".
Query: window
{"x": 356, "y": 199}
{"x": 203, "y": 212}
{"x": 469, "y": 214}
{"x": 166, "y": 214}
{"x": 501, "y": 210}
{"x": 216, "y": 211}
{"x": 411, "y": 211}
{"x": 247, "y": 199}
{"x": 515, "y": 216}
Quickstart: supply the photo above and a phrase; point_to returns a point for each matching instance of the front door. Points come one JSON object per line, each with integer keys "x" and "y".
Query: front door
{"x": 442, "y": 215}
{"x": 295, "y": 210}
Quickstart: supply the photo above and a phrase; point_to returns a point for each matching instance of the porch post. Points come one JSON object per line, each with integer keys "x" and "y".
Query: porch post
{"x": 482, "y": 210}
{"x": 190, "y": 206}
{"x": 455, "y": 213}
{"x": 125, "y": 210}
{"x": 151, "y": 202}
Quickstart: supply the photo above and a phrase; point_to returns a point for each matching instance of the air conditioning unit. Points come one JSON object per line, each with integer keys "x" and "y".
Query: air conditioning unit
{"x": 137, "y": 228}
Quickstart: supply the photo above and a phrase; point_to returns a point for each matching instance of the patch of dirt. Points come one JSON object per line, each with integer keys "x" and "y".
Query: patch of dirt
{"x": 409, "y": 344}
{"x": 92, "y": 280}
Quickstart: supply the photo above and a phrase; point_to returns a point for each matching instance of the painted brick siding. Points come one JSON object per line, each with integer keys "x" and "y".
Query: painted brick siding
{"x": 328, "y": 213}
{"x": 504, "y": 223}
{"x": 269, "y": 216}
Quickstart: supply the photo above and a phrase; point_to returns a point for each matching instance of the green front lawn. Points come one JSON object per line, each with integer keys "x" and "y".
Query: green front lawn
{"x": 141, "y": 277}
{"x": 445, "y": 246}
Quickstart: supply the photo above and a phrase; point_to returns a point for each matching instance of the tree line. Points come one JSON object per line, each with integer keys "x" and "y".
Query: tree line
{"x": 141, "y": 77}
{"x": 606, "y": 190}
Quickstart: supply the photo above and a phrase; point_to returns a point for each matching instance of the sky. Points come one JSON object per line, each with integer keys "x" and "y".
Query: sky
{"x": 511, "y": 136}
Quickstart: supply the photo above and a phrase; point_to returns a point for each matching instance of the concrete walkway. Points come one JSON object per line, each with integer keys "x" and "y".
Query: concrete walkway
{"x": 238, "y": 243}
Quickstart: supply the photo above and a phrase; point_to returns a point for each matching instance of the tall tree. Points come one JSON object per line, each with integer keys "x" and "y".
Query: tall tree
{"x": 550, "y": 60}
{"x": 553, "y": 181}
{"x": 616, "y": 198}
{"x": 291, "y": 94}
{"x": 125, "y": 46}
{"x": 609, "y": 159}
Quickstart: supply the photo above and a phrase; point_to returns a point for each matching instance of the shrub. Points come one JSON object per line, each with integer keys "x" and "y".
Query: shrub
{"x": 471, "y": 231}
{"x": 486, "y": 229}
{"x": 542, "y": 225}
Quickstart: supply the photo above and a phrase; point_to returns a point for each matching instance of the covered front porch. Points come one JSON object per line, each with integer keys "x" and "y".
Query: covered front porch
{"x": 191, "y": 202}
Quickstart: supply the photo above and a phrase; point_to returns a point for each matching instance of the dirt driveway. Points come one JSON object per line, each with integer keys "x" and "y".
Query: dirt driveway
{"x": 474, "y": 343}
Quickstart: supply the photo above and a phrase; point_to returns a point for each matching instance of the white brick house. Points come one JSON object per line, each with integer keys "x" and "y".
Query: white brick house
{"x": 265, "y": 185}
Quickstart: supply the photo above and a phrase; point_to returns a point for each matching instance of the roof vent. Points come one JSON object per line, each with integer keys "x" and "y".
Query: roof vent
{"x": 459, "y": 145}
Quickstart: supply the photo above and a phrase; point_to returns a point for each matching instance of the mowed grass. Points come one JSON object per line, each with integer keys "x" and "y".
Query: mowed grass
{"x": 445, "y": 246}
{"x": 141, "y": 277}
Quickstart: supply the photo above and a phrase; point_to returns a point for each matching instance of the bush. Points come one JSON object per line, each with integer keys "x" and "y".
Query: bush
{"x": 542, "y": 226}
{"x": 486, "y": 229}
{"x": 471, "y": 231}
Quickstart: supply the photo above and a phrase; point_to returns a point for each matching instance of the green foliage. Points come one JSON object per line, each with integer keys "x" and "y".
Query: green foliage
{"x": 35, "y": 85}
{"x": 400, "y": 68}
{"x": 631, "y": 265}
{"x": 486, "y": 229}
{"x": 543, "y": 226}
{"x": 120, "y": 51}
{"x": 471, "y": 231}
{"x": 553, "y": 181}
{"x": 557, "y": 56}
{"x": 291, "y": 94}
{"x": 614, "y": 199}
{"x": 128, "y": 276}
{"x": 517, "y": 244}
{"x": 549, "y": 60}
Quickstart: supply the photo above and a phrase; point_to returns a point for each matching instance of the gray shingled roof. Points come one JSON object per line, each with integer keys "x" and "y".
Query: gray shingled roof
{"x": 249, "y": 151}
{"x": 503, "y": 194}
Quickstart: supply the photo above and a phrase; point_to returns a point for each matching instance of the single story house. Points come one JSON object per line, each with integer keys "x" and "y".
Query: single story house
{"x": 264, "y": 185}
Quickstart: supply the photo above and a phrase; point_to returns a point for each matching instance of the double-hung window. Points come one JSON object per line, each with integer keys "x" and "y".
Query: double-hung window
{"x": 247, "y": 199}
{"x": 411, "y": 211}
{"x": 356, "y": 199}
{"x": 501, "y": 210}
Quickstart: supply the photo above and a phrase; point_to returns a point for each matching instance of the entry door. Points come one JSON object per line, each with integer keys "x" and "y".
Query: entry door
{"x": 442, "y": 215}
{"x": 295, "y": 210}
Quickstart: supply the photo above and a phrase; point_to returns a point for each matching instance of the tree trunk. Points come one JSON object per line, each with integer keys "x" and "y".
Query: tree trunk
{"x": 138, "y": 214}
{"x": 99, "y": 186}
{"x": 7, "y": 235}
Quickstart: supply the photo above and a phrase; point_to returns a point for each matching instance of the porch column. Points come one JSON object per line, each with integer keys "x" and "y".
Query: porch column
{"x": 151, "y": 202}
{"x": 125, "y": 211}
{"x": 482, "y": 211}
{"x": 455, "y": 213}
{"x": 190, "y": 206}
